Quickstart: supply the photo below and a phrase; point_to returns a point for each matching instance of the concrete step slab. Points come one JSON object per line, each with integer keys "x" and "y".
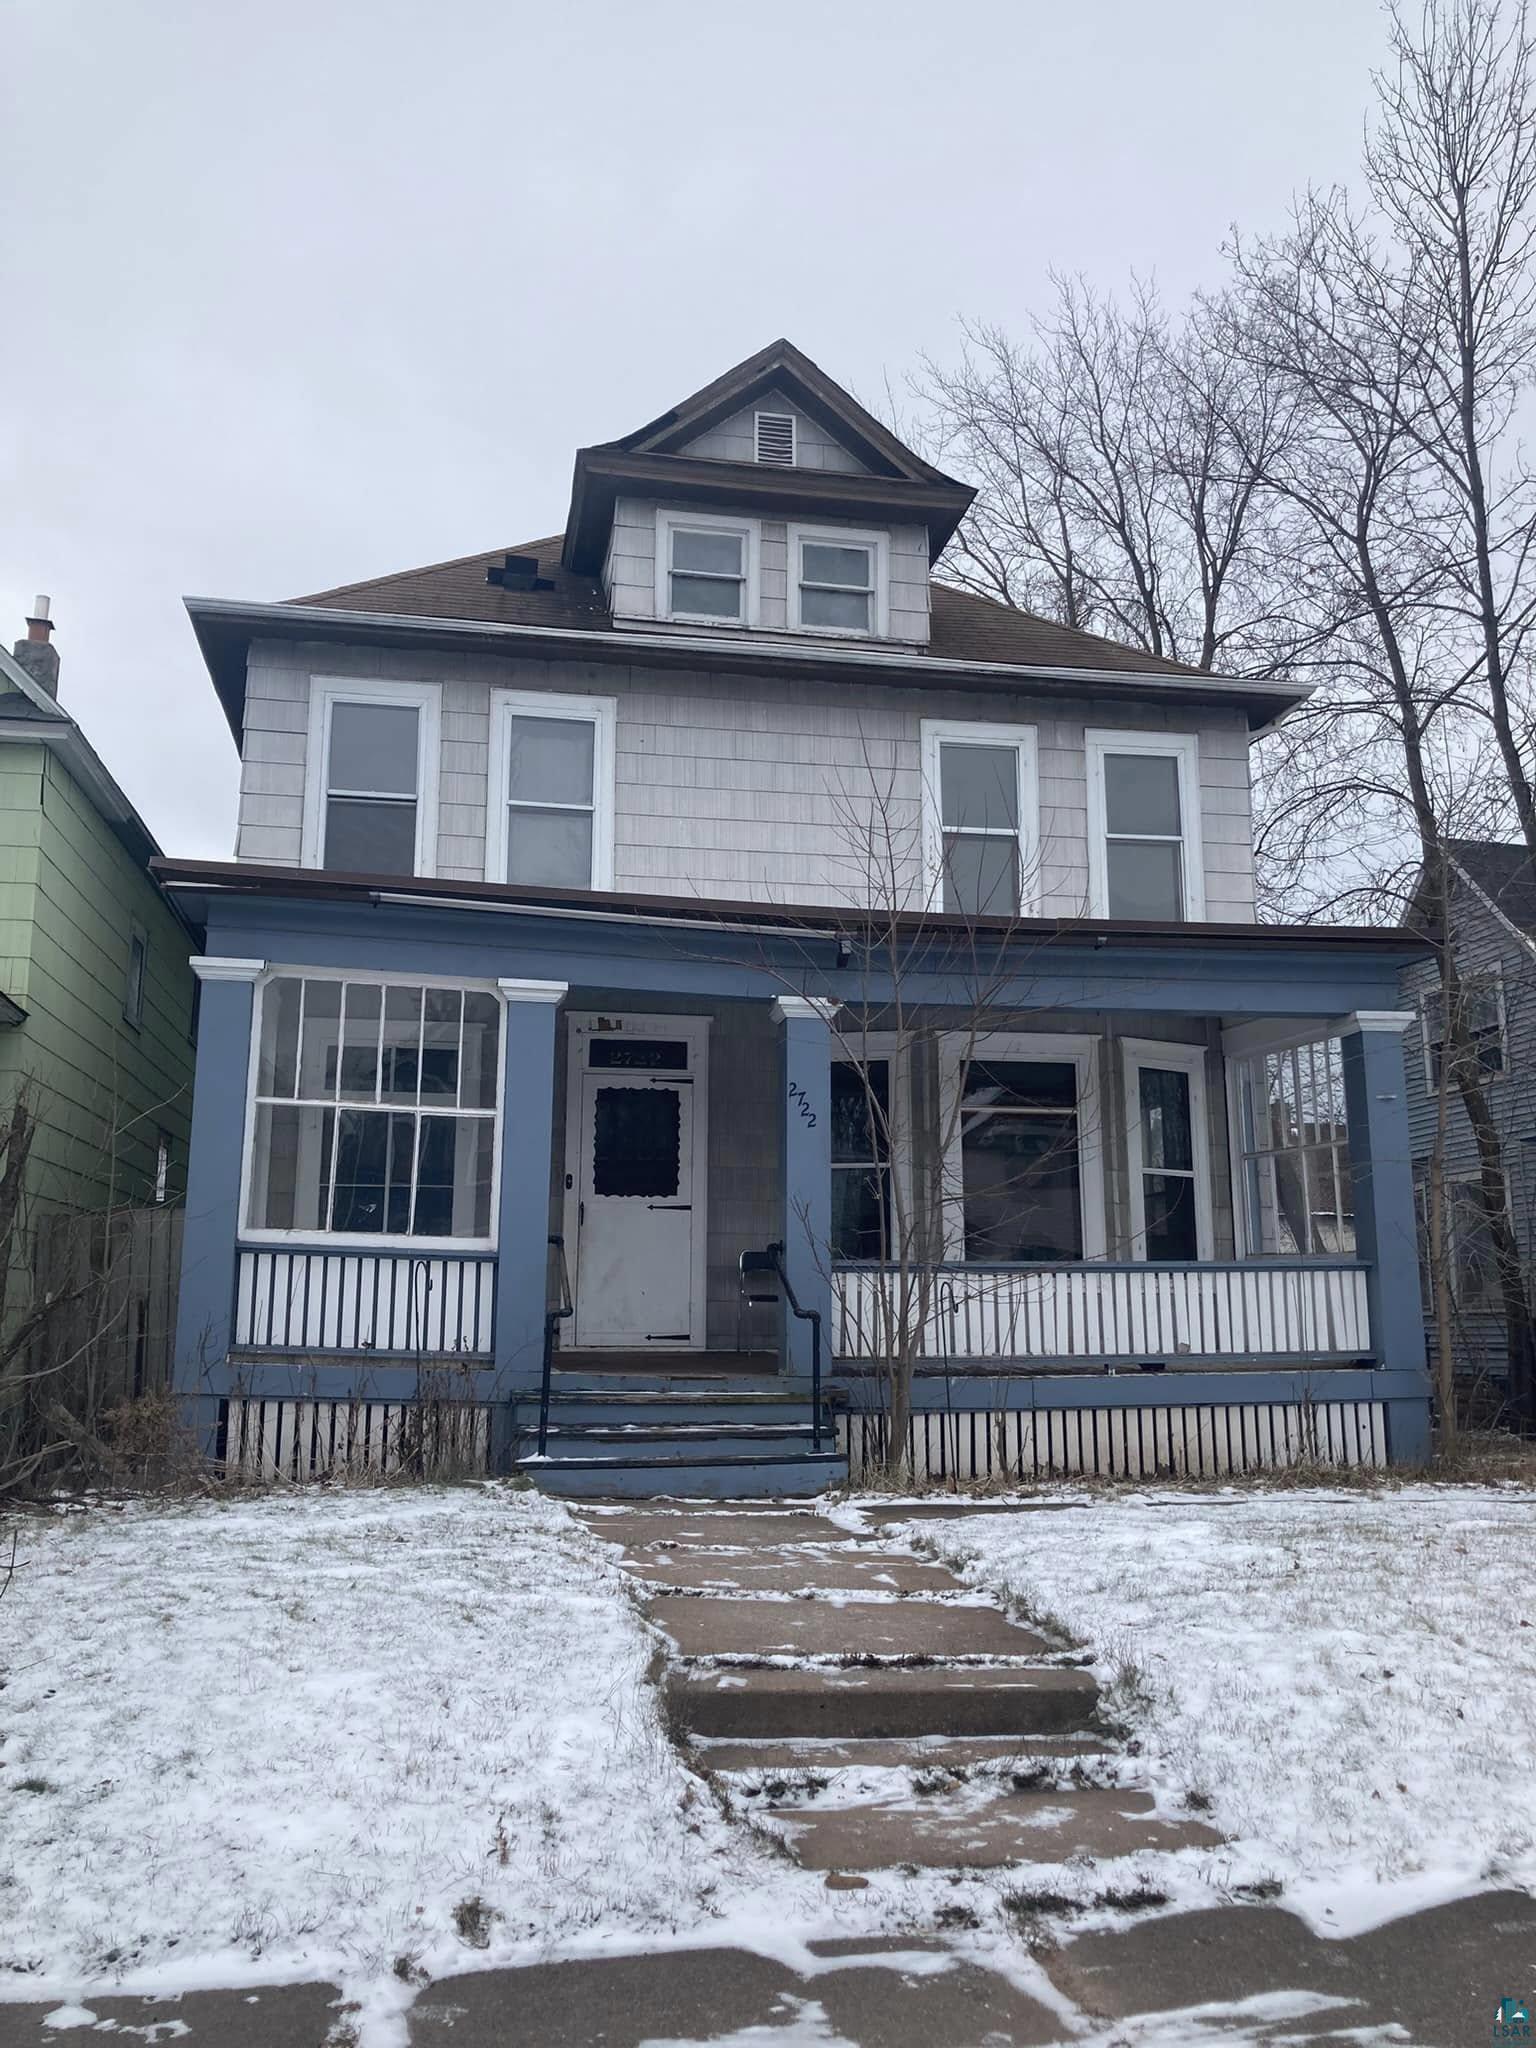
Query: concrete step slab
{"x": 751, "y": 1526}
{"x": 710, "y": 1475}
{"x": 968, "y": 1833}
{"x": 920, "y": 1752}
{"x": 849, "y": 1568}
{"x": 830, "y": 1628}
{"x": 864, "y": 1702}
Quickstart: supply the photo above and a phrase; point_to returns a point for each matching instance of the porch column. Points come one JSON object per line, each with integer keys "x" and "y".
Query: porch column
{"x": 211, "y": 1221}
{"x": 806, "y": 1228}
{"x": 529, "y": 1021}
{"x": 1386, "y": 1233}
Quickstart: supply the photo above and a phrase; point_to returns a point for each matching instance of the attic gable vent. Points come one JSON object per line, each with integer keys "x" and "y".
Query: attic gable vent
{"x": 776, "y": 438}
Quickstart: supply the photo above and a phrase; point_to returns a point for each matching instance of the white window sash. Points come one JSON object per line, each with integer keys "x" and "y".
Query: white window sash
{"x": 1139, "y": 1054}
{"x": 748, "y": 531}
{"x": 936, "y": 734}
{"x": 601, "y": 713}
{"x": 1489, "y": 981}
{"x": 877, "y": 589}
{"x": 1182, "y": 748}
{"x": 426, "y": 700}
{"x": 895, "y": 1049}
{"x": 355, "y": 1241}
{"x": 956, "y": 1051}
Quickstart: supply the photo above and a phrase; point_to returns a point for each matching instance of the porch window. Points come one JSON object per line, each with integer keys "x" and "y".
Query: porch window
{"x": 1481, "y": 1006}
{"x": 1143, "y": 845}
{"x": 550, "y": 821}
{"x": 372, "y": 780}
{"x": 375, "y": 1110}
{"x": 861, "y": 1159}
{"x": 979, "y": 816}
{"x": 1167, "y": 1148}
{"x": 1021, "y": 1168}
{"x": 1293, "y": 1141}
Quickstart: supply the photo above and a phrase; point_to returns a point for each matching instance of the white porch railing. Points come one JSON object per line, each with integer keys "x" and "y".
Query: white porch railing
{"x": 1264, "y": 1310}
{"x": 363, "y": 1301}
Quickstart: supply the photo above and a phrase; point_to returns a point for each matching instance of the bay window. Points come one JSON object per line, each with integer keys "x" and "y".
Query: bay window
{"x": 550, "y": 820}
{"x": 374, "y": 1111}
{"x": 371, "y": 781}
{"x": 979, "y": 817}
{"x": 1144, "y": 858}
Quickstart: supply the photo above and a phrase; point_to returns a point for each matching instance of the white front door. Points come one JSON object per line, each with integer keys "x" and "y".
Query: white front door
{"x": 636, "y": 1189}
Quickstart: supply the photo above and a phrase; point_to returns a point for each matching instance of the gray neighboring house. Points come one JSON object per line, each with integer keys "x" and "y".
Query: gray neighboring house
{"x": 1492, "y": 912}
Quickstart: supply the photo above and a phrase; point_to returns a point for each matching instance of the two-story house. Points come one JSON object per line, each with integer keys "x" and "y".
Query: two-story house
{"x": 711, "y": 877}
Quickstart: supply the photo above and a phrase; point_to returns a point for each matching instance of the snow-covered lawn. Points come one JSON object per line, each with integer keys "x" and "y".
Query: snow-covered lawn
{"x": 1349, "y": 1680}
{"x": 344, "y": 1734}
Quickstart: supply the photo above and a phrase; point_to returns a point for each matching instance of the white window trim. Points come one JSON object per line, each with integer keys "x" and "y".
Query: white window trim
{"x": 1457, "y": 1232}
{"x": 1483, "y": 975}
{"x": 352, "y": 1242}
{"x": 956, "y": 1050}
{"x": 668, "y": 521}
{"x": 324, "y": 691}
{"x": 133, "y": 995}
{"x": 879, "y": 545}
{"x": 1182, "y": 747}
{"x": 855, "y": 1049}
{"x": 602, "y": 714}
{"x": 1137, "y": 1053}
{"x": 1025, "y": 740}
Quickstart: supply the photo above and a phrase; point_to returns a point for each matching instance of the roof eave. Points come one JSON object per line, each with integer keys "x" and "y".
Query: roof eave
{"x": 601, "y": 475}
{"x": 225, "y": 627}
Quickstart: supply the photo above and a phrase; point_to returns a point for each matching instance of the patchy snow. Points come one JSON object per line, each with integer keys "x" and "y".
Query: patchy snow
{"x": 346, "y": 1734}
{"x": 1349, "y": 1679}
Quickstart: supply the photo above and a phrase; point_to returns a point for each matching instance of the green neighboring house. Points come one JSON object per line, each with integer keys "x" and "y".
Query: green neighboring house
{"x": 96, "y": 994}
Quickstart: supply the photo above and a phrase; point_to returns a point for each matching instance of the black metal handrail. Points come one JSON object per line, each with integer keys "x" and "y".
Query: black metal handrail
{"x": 553, "y": 1318}
{"x": 774, "y": 1257}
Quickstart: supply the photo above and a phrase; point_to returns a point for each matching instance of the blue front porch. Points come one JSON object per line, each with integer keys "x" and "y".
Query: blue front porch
{"x": 1099, "y": 1363}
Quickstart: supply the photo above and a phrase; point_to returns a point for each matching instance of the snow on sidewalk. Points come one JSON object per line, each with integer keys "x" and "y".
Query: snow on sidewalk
{"x": 1348, "y": 1679}
{"x": 306, "y": 1735}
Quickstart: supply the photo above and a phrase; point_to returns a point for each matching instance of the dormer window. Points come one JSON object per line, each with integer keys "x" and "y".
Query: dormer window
{"x": 706, "y": 569}
{"x": 837, "y": 582}
{"x": 774, "y": 438}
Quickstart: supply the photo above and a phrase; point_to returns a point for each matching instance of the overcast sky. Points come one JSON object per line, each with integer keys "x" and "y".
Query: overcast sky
{"x": 297, "y": 294}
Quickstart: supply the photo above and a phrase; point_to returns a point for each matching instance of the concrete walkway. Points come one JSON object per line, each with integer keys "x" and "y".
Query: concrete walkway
{"x": 809, "y": 1656}
{"x": 1248, "y": 1976}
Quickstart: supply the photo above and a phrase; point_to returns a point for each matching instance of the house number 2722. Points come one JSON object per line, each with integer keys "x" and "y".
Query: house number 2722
{"x": 802, "y": 1102}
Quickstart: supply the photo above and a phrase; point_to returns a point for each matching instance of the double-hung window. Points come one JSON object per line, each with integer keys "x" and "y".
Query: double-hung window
{"x": 979, "y": 817}
{"x": 1480, "y": 1013}
{"x": 550, "y": 822}
{"x": 375, "y": 1110}
{"x": 1023, "y": 1177}
{"x": 706, "y": 569}
{"x": 1143, "y": 826}
{"x": 1168, "y": 1150}
{"x": 837, "y": 580}
{"x": 371, "y": 798}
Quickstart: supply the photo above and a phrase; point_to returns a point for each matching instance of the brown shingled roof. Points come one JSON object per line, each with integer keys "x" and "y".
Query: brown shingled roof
{"x": 965, "y": 627}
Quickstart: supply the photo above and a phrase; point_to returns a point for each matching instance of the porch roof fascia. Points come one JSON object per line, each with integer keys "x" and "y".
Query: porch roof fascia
{"x": 1207, "y": 971}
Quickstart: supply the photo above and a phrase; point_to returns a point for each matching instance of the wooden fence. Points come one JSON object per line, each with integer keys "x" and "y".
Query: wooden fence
{"x": 110, "y": 1280}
